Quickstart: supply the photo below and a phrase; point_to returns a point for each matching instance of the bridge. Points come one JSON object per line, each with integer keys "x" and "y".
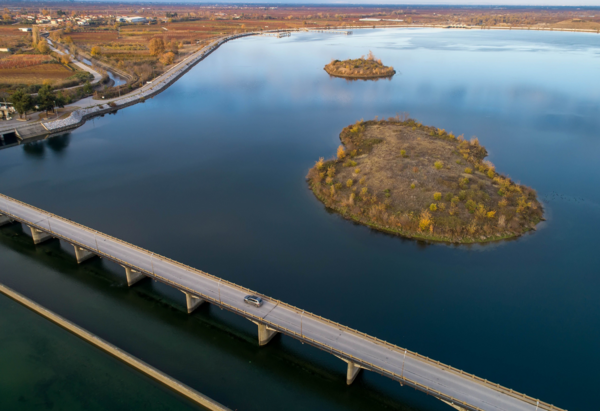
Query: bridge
{"x": 461, "y": 390}
{"x": 329, "y": 31}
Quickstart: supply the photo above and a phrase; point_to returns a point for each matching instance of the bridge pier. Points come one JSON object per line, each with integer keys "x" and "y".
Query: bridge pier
{"x": 82, "y": 254}
{"x": 192, "y": 302}
{"x": 39, "y": 236}
{"x": 265, "y": 334}
{"x": 352, "y": 372}
{"x": 132, "y": 276}
{"x": 4, "y": 219}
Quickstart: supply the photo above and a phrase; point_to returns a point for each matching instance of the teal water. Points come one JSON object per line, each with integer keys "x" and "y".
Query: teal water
{"x": 211, "y": 173}
{"x": 46, "y": 367}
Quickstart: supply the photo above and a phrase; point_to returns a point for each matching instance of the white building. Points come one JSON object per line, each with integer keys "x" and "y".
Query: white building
{"x": 136, "y": 19}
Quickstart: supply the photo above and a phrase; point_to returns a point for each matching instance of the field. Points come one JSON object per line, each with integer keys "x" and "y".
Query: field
{"x": 93, "y": 37}
{"x": 12, "y": 38}
{"x": 23, "y": 60}
{"x": 581, "y": 25}
{"x": 35, "y": 74}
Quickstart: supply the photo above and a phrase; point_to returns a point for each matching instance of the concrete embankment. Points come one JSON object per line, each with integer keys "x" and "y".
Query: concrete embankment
{"x": 170, "y": 382}
{"x": 79, "y": 117}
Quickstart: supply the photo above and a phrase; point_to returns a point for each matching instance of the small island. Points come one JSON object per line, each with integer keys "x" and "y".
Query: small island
{"x": 422, "y": 182}
{"x": 362, "y": 68}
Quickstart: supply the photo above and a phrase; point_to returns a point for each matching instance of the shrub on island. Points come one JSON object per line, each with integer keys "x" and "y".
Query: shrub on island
{"x": 361, "y": 68}
{"x": 391, "y": 191}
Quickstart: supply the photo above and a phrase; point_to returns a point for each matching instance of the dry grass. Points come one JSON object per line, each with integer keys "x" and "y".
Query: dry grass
{"x": 368, "y": 67}
{"x": 424, "y": 192}
{"x": 35, "y": 75}
{"x": 581, "y": 25}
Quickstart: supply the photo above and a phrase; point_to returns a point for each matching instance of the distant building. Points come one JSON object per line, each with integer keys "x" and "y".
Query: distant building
{"x": 136, "y": 19}
{"x": 5, "y": 50}
{"x": 369, "y": 20}
{"x": 25, "y": 29}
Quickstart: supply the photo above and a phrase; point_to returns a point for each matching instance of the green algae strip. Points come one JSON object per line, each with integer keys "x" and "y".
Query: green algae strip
{"x": 136, "y": 363}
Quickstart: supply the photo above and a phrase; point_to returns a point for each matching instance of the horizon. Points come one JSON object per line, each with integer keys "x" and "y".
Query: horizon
{"x": 450, "y": 3}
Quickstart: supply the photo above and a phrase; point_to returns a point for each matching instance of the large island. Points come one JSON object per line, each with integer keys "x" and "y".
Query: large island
{"x": 401, "y": 177}
{"x": 361, "y": 68}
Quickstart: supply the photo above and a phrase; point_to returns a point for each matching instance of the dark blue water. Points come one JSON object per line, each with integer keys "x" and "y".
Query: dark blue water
{"x": 211, "y": 173}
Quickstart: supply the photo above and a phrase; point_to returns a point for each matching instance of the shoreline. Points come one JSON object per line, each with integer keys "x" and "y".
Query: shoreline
{"x": 127, "y": 358}
{"x": 375, "y": 76}
{"x": 410, "y": 235}
{"x": 40, "y": 130}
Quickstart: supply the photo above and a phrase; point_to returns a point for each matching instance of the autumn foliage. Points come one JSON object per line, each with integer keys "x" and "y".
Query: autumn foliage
{"x": 156, "y": 46}
{"x": 167, "y": 58}
{"x": 23, "y": 60}
{"x": 392, "y": 194}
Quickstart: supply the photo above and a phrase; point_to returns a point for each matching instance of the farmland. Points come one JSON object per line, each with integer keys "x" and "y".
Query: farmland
{"x": 36, "y": 74}
{"x": 23, "y": 60}
{"x": 12, "y": 38}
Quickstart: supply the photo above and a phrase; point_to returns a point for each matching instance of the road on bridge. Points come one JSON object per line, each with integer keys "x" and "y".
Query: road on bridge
{"x": 358, "y": 349}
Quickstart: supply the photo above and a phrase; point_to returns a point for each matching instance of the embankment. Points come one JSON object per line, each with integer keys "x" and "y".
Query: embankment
{"x": 139, "y": 365}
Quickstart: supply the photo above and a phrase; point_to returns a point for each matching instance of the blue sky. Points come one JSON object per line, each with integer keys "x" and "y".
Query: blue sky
{"x": 392, "y": 2}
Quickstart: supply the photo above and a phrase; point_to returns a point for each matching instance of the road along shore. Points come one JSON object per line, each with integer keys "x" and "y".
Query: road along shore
{"x": 139, "y": 365}
{"x": 42, "y": 130}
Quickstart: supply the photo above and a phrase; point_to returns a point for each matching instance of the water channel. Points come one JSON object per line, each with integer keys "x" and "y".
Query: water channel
{"x": 211, "y": 173}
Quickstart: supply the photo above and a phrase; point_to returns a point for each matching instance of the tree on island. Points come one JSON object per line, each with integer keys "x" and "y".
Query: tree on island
{"x": 366, "y": 68}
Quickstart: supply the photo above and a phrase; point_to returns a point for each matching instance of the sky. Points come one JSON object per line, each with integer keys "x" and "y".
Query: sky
{"x": 572, "y": 3}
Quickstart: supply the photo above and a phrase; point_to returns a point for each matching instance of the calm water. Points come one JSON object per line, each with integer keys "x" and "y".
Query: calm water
{"x": 211, "y": 173}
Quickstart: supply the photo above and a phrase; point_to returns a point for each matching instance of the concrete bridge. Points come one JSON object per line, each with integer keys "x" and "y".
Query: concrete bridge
{"x": 461, "y": 390}
{"x": 326, "y": 30}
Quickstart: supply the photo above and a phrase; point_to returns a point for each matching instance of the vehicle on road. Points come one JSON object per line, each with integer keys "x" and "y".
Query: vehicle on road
{"x": 253, "y": 300}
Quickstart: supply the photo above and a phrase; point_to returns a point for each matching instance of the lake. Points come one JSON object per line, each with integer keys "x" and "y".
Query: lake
{"x": 211, "y": 173}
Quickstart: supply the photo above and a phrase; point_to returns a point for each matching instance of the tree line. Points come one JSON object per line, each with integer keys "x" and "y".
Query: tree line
{"x": 45, "y": 100}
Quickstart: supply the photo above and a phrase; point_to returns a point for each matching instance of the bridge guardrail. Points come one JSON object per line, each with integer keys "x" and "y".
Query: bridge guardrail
{"x": 497, "y": 387}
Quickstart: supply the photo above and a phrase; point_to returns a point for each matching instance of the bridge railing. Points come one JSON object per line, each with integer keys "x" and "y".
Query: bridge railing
{"x": 540, "y": 405}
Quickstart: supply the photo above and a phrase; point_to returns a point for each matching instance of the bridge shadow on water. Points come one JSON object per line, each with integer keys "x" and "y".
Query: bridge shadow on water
{"x": 150, "y": 321}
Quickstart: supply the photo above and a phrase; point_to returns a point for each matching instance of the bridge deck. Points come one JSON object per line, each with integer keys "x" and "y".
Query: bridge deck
{"x": 409, "y": 368}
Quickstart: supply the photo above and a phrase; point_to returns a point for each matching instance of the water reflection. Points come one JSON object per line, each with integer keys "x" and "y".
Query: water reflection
{"x": 34, "y": 149}
{"x": 59, "y": 143}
